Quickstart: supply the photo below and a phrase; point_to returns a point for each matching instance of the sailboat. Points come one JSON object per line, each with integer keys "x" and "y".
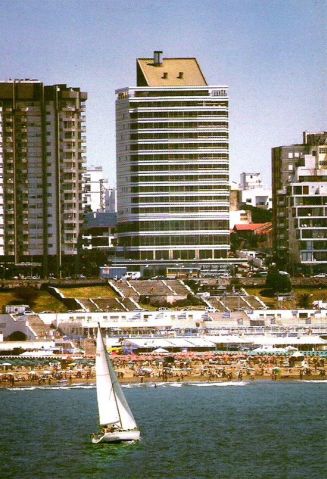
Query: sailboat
{"x": 115, "y": 417}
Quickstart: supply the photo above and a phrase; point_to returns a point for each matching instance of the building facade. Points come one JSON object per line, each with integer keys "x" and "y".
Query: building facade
{"x": 299, "y": 174}
{"x": 110, "y": 200}
{"x": 236, "y": 214}
{"x": 253, "y": 192}
{"x": 99, "y": 231}
{"x": 42, "y": 153}
{"x": 250, "y": 181}
{"x": 95, "y": 186}
{"x": 172, "y": 164}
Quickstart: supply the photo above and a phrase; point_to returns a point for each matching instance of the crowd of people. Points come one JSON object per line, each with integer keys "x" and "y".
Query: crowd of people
{"x": 172, "y": 367}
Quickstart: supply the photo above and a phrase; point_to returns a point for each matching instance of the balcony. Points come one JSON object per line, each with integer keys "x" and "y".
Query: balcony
{"x": 69, "y": 148}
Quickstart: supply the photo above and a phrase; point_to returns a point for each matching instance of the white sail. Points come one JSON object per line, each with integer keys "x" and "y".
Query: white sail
{"x": 112, "y": 404}
{"x": 108, "y": 411}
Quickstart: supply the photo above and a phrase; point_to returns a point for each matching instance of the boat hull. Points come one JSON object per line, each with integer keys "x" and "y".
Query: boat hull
{"x": 117, "y": 436}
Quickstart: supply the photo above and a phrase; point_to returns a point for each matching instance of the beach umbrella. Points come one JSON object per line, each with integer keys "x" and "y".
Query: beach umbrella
{"x": 297, "y": 354}
{"x": 5, "y": 365}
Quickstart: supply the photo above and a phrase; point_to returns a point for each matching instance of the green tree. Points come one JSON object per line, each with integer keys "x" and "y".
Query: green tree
{"x": 91, "y": 260}
{"x": 259, "y": 215}
{"x": 25, "y": 295}
{"x": 278, "y": 281}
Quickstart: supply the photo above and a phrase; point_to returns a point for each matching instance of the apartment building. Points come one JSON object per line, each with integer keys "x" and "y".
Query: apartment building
{"x": 42, "y": 153}
{"x": 99, "y": 231}
{"x": 236, "y": 214}
{"x": 95, "y": 186}
{"x": 172, "y": 164}
{"x": 110, "y": 200}
{"x": 250, "y": 181}
{"x": 299, "y": 174}
{"x": 253, "y": 192}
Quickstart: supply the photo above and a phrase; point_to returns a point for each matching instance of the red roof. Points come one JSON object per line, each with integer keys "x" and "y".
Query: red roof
{"x": 257, "y": 228}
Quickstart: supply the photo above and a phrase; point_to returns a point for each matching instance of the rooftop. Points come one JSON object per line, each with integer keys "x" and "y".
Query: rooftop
{"x": 100, "y": 219}
{"x": 159, "y": 71}
{"x": 257, "y": 228}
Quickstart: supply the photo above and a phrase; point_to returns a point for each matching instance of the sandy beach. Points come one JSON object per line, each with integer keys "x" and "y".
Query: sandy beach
{"x": 175, "y": 368}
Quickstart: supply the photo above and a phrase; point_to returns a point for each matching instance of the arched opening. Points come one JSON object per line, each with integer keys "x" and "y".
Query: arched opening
{"x": 16, "y": 336}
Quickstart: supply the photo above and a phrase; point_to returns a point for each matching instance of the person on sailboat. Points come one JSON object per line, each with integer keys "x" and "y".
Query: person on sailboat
{"x": 111, "y": 428}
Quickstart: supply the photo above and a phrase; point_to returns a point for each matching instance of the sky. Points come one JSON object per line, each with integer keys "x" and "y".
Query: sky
{"x": 271, "y": 54}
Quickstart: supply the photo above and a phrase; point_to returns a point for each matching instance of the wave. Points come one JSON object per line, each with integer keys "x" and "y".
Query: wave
{"x": 22, "y": 389}
{"x": 52, "y": 388}
{"x": 66, "y": 388}
{"x": 224, "y": 384}
{"x": 311, "y": 380}
{"x": 135, "y": 385}
{"x": 171, "y": 384}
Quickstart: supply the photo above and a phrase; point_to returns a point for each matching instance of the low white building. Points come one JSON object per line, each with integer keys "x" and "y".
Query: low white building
{"x": 175, "y": 323}
{"x": 10, "y": 323}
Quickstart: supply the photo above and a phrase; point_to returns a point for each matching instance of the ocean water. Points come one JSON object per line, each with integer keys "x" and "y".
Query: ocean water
{"x": 240, "y": 430}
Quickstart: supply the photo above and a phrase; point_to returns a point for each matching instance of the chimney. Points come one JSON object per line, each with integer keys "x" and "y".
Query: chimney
{"x": 180, "y": 75}
{"x": 157, "y": 58}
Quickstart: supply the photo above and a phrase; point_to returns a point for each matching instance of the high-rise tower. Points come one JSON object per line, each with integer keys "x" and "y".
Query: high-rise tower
{"x": 299, "y": 183}
{"x": 42, "y": 154}
{"x": 172, "y": 164}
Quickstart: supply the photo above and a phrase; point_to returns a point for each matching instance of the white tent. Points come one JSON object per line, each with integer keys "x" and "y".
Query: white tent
{"x": 288, "y": 340}
{"x": 269, "y": 349}
{"x": 160, "y": 351}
